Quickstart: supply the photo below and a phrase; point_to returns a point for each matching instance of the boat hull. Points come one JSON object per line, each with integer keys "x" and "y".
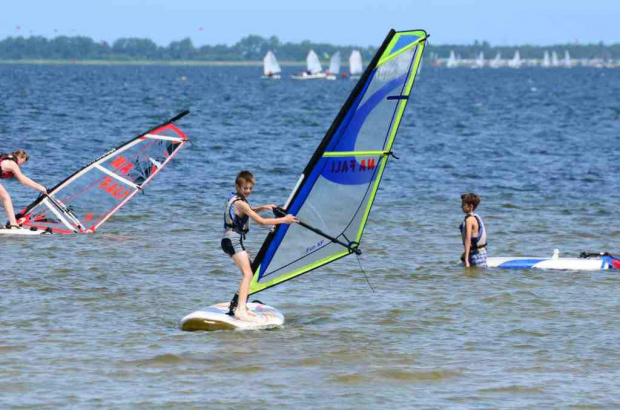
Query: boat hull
{"x": 304, "y": 76}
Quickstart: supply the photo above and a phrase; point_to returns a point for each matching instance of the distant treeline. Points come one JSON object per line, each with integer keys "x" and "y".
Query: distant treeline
{"x": 252, "y": 48}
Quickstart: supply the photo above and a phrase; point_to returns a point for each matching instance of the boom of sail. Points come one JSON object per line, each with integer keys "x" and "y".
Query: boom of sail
{"x": 336, "y": 190}
{"x": 85, "y": 200}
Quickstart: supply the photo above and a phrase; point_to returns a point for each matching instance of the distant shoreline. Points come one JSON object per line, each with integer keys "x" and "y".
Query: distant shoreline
{"x": 149, "y": 63}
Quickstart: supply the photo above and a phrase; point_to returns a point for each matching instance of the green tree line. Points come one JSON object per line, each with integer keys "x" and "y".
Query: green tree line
{"x": 253, "y": 48}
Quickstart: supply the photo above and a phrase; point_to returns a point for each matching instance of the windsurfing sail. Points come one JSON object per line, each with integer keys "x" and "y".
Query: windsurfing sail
{"x": 270, "y": 65}
{"x": 89, "y": 197}
{"x": 355, "y": 63}
{"x": 336, "y": 190}
{"x": 334, "y": 64}
{"x": 312, "y": 63}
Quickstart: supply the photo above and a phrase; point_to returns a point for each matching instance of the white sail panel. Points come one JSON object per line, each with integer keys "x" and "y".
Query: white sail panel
{"x": 270, "y": 64}
{"x": 355, "y": 63}
{"x": 334, "y": 64}
{"x": 313, "y": 64}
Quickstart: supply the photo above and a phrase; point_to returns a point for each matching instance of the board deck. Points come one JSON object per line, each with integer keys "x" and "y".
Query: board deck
{"x": 216, "y": 317}
{"x": 21, "y": 232}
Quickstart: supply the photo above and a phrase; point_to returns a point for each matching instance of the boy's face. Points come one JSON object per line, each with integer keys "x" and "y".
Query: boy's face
{"x": 21, "y": 161}
{"x": 467, "y": 208}
{"x": 245, "y": 189}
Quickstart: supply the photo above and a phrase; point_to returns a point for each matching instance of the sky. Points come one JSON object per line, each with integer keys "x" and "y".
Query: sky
{"x": 339, "y": 22}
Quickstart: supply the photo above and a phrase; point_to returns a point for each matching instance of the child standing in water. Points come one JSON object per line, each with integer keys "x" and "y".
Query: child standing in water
{"x": 473, "y": 233}
{"x": 236, "y": 225}
{"x": 10, "y": 168}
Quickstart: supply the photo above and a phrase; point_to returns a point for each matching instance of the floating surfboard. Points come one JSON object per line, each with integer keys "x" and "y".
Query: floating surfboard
{"x": 23, "y": 231}
{"x": 587, "y": 262}
{"x": 216, "y": 317}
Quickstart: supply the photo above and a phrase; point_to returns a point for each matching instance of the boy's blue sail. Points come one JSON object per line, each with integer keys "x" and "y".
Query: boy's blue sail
{"x": 336, "y": 190}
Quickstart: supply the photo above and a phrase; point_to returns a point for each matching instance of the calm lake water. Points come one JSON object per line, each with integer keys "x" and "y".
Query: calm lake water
{"x": 90, "y": 321}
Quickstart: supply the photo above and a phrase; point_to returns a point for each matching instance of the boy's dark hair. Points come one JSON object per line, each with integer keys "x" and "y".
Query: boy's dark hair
{"x": 244, "y": 177}
{"x": 471, "y": 199}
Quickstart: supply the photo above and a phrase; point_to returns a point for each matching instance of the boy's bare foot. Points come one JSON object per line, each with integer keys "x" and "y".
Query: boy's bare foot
{"x": 247, "y": 316}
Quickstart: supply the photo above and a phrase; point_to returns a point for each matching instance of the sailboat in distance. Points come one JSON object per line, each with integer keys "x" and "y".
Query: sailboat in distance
{"x": 314, "y": 71}
{"x": 271, "y": 68}
{"x": 355, "y": 65}
{"x": 334, "y": 67}
{"x": 88, "y": 198}
{"x": 345, "y": 170}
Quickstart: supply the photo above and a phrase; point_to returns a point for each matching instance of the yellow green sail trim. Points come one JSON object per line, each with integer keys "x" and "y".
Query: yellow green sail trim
{"x": 372, "y": 195}
{"x": 420, "y": 37}
{"x": 355, "y": 153}
{"x": 399, "y": 114}
{"x": 257, "y": 287}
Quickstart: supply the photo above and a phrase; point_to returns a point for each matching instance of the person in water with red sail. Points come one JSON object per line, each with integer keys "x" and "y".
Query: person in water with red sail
{"x": 10, "y": 168}
{"x": 236, "y": 225}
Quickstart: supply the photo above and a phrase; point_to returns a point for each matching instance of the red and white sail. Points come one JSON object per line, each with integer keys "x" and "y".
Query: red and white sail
{"x": 88, "y": 198}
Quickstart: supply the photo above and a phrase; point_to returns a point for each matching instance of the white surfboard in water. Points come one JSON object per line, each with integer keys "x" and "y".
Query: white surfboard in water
{"x": 216, "y": 317}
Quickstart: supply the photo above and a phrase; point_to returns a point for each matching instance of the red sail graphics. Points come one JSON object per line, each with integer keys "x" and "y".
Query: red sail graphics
{"x": 88, "y": 198}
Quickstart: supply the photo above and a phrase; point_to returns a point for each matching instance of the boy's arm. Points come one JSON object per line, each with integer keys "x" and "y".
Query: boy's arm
{"x": 469, "y": 227}
{"x": 262, "y": 208}
{"x": 24, "y": 179}
{"x": 244, "y": 209}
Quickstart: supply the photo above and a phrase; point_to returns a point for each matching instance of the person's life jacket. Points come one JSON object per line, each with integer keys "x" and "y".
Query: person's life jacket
{"x": 238, "y": 224}
{"x": 478, "y": 242}
{"x": 6, "y": 157}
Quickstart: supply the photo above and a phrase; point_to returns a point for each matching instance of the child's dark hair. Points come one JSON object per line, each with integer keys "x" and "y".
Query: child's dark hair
{"x": 244, "y": 177}
{"x": 471, "y": 199}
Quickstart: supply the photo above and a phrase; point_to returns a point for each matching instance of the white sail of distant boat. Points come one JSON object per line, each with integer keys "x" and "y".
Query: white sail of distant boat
{"x": 271, "y": 68}
{"x": 555, "y": 61}
{"x": 546, "y": 63}
{"x": 334, "y": 66}
{"x": 313, "y": 71}
{"x": 479, "y": 63}
{"x": 567, "y": 63}
{"x": 452, "y": 61}
{"x": 497, "y": 61}
{"x": 355, "y": 64}
{"x": 516, "y": 60}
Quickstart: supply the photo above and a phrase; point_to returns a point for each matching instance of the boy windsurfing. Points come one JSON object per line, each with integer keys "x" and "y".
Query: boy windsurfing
{"x": 236, "y": 225}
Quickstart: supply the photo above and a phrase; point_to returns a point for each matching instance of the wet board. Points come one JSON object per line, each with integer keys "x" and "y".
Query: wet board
{"x": 22, "y": 231}
{"x": 216, "y": 317}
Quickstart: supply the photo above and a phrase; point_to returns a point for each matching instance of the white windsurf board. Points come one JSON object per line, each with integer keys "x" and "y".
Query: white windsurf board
{"x": 216, "y": 317}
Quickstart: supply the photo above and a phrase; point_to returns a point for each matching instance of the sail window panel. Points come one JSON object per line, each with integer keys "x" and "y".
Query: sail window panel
{"x": 369, "y": 126}
{"x": 289, "y": 262}
{"x": 94, "y": 195}
{"x": 139, "y": 161}
{"x": 336, "y": 199}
